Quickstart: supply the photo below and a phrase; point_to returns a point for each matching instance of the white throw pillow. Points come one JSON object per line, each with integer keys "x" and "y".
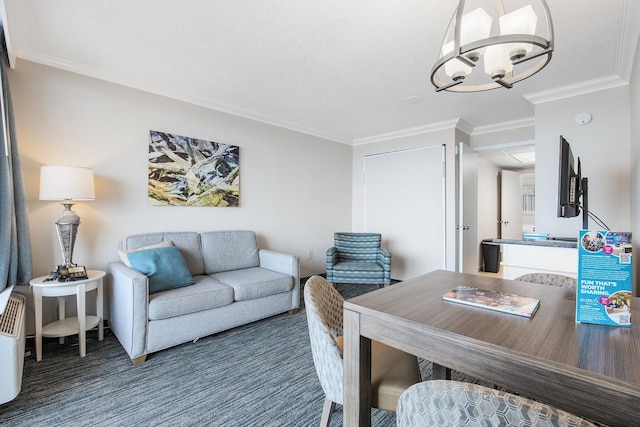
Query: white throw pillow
{"x": 125, "y": 259}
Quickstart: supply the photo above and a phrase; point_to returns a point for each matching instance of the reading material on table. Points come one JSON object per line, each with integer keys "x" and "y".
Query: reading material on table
{"x": 494, "y": 300}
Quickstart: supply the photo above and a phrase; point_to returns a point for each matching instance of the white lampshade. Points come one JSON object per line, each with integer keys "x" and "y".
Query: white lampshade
{"x": 475, "y": 25}
{"x": 496, "y": 60}
{"x": 66, "y": 183}
{"x": 454, "y": 66}
{"x": 520, "y": 21}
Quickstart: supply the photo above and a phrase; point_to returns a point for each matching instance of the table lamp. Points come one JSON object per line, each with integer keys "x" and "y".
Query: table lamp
{"x": 67, "y": 183}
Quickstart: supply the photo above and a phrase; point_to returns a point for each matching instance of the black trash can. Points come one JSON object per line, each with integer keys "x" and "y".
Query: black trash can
{"x": 491, "y": 256}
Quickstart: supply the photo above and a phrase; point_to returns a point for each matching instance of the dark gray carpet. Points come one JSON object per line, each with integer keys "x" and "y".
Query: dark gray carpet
{"x": 260, "y": 374}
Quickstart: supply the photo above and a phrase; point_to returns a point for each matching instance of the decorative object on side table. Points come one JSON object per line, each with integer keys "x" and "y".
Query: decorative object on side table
{"x": 67, "y": 183}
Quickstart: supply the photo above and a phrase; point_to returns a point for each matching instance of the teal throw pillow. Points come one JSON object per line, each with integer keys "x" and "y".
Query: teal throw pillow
{"x": 165, "y": 267}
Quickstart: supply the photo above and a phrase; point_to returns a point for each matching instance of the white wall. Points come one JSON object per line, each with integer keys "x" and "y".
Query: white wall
{"x": 295, "y": 189}
{"x": 604, "y": 148}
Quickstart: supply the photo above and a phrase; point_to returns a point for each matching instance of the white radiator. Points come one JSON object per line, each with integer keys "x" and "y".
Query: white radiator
{"x": 12, "y": 340}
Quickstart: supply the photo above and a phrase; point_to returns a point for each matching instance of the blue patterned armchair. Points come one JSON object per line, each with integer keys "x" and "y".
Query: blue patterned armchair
{"x": 358, "y": 258}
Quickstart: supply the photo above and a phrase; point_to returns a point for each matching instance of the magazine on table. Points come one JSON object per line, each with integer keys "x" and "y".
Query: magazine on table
{"x": 494, "y": 300}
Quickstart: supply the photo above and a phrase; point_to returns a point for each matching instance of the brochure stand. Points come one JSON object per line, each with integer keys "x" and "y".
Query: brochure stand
{"x": 603, "y": 294}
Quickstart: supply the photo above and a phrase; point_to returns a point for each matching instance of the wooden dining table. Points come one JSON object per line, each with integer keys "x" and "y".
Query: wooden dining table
{"x": 590, "y": 370}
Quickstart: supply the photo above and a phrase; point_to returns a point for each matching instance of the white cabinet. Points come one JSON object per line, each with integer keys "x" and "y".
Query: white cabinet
{"x": 543, "y": 257}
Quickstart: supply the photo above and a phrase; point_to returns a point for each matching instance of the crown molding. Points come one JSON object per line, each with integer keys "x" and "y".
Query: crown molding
{"x": 580, "y": 88}
{"x": 630, "y": 38}
{"x": 503, "y": 126}
{"x": 456, "y": 123}
{"x": 418, "y": 130}
{"x": 464, "y": 126}
{"x": 503, "y": 146}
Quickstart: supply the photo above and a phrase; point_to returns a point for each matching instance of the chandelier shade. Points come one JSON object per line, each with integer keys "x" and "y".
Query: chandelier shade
{"x": 512, "y": 44}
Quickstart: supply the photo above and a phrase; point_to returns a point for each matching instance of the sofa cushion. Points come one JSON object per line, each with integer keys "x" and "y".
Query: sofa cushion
{"x": 123, "y": 254}
{"x": 255, "y": 282}
{"x": 229, "y": 250}
{"x": 205, "y": 294}
{"x": 188, "y": 242}
{"x": 164, "y": 266}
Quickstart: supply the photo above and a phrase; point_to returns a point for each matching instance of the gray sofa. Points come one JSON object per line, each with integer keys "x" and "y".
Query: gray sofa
{"x": 235, "y": 283}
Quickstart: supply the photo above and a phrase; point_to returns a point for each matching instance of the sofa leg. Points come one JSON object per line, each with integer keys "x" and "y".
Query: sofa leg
{"x": 294, "y": 310}
{"x": 139, "y": 360}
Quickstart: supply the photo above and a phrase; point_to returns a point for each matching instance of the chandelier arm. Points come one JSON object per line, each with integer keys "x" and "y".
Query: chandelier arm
{"x": 530, "y": 72}
{"x": 447, "y": 86}
{"x": 453, "y": 87}
{"x": 504, "y": 39}
{"x": 547, "y": 51}
{"x": 503, "y": 83}
{"x": 457, "y": 28}
{"x": 547, "y": 15}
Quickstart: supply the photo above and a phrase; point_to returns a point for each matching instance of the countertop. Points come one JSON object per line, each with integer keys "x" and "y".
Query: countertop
{"x": 549, "y": 243}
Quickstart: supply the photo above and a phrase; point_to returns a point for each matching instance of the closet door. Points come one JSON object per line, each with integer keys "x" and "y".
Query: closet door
{"x": 405, "y": 201}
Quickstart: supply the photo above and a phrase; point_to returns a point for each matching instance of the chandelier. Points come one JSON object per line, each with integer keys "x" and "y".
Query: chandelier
{"x": 509, "y": 45}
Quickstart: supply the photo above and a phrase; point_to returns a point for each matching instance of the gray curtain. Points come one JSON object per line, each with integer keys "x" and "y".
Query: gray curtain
{"x": 16, "y": 267}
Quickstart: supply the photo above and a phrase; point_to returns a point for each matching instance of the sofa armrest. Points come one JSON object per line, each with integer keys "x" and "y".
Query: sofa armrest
{"x": 129, "y": 305}
{"x": 285, "y": 264}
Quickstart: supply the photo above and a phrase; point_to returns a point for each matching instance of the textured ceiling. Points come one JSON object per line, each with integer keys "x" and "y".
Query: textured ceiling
{"x": 337, "y": 69}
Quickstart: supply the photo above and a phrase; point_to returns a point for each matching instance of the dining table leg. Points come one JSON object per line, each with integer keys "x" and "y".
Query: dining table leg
{"x": 440, "y": 372}
{"x": 357, "y": 373}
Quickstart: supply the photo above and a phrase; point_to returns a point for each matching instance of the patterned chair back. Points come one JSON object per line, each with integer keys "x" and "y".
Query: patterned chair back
{"x": 323, "y": 305}
{"x": 360, "y": 247}
{"x": 455, "y": 403}
{"x": 548, "y": 279}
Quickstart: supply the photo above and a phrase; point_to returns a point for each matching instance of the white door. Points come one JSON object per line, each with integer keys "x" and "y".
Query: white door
{"x": 404, "y": 200}
{"x": 510, "y": 206}
{"x": 467, "y": 209}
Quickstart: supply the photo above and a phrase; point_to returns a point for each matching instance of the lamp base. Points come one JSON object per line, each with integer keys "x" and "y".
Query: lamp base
{"x": 67, "y": 227}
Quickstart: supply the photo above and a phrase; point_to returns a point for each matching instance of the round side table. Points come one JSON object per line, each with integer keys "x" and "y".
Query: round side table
{"x": 73, "y": 325}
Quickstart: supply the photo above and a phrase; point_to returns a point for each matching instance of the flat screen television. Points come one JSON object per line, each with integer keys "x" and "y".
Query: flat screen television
{"x": 569, "y": 183}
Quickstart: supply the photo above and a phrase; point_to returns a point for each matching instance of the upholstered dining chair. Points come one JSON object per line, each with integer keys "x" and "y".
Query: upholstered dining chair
{"x": 548, "y": 279}
{"x": 455, "y": 403}
{"x": 392, "y": 371}
{"x": 358, "y": 258}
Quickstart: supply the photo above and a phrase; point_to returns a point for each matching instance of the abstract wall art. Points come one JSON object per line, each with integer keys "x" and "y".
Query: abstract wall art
{"x": 186, "y": 171}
